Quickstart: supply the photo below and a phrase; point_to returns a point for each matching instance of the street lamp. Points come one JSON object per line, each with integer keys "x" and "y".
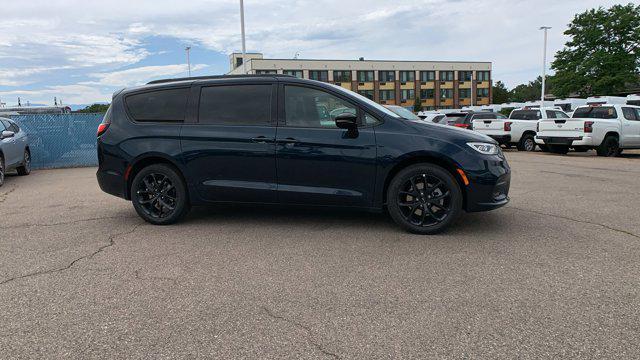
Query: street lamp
{"x": 188, "y": 50}
{"x": 244, "y": 49}
{"x": 544, "y": 63}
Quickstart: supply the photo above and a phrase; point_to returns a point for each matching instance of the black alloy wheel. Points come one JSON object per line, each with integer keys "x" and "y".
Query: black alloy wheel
{"x": 424, "y": 199}
{"x": 25, "y": 168}
{"x": 159, "y": 195}
{"x": 609, "y": 147}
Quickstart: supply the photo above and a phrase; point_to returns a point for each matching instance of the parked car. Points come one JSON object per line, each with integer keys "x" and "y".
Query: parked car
{"x": 464, "y": 119}
{"x": 172, "y": 144}
{"x": 403, "y": 113}
{"x": 520, "y": 128}
{"x": 14, "y": 149}
{"x": 607, "y": 128}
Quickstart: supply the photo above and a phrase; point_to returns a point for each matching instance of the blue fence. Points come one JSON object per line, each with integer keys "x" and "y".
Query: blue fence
{"x": 61, "y": 140}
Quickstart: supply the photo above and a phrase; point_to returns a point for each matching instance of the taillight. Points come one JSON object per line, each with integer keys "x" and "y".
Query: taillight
{"x": 507, "y": 126}
{"x": 102, "y": 128}
{"x": 588, "y": 126}
{"x": 466, "y": 126}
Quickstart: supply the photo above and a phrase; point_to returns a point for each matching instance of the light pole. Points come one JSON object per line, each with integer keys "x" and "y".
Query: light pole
{"x": 244, "y": 49}
{"x": 188, "y": 50}
{"x": 544, "y": 63}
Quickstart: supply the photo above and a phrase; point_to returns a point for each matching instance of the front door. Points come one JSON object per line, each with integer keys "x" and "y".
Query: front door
{"x": 318, "y": 163}
{"x": 630, "y": 127}
{"x": 10, "y": 146}
{"x": 229, "y": 149}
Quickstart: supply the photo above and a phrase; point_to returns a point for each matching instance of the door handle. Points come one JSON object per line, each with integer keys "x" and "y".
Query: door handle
{"x": 289, "y": 140}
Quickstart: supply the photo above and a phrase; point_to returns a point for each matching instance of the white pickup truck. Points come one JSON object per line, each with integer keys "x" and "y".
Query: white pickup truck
{"x": 520, "y": 128}
{"x": 607, "y": 128}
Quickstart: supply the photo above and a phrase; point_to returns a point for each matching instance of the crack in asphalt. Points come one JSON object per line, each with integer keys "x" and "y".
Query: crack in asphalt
{"x": 136, "y": 273}
{"x": 18, "y": 226}
{"x": 110, "y": 243}
{"x": 5, "y": 195}
{"x": 307, "y": 329}
{"x": 576, "y": 220}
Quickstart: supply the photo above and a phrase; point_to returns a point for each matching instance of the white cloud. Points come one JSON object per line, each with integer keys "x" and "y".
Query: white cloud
{"x": 139, "y": 75}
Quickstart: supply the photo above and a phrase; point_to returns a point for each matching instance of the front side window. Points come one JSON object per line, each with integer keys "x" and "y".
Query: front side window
{"x": 551, "y": 114}
{"x": 561, "y": 115}
{"x": 446, "y": 75}
{"x": 320, "y": 75}
{"x": 13, "y": 127}
{"x": 365, "y": 76}
{"x": 161, "y": 105}
{"x": 306, "y": 107}
{"x": 406, "y": 76}
{"x": 629, "y": 113}
{"x": 296, "y": 73}
{"x": 386, "y": 76}
{"x": 342, "y": 76}
{"x": 387, "y": 95}
{"x": 235, "y": 105}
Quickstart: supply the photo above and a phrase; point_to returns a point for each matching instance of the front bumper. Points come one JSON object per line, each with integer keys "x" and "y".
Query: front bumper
{"x": 488, "y": 189}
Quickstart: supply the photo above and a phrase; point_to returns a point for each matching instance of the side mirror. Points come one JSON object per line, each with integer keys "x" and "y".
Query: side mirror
{"x": 347, "y": 121}
{"x": 7, "y": 134}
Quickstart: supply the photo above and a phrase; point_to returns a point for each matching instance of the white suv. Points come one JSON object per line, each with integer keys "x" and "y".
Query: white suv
{"x": 520, "y": 128}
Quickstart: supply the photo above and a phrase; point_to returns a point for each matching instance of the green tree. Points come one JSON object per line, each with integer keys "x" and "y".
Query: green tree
{"x": 417, "y": 104}
{"x": 500, "y": 93}
{"x": 603, "y": 55}
{"x": 527, "y": 92}
{"x": 95, "y": 108}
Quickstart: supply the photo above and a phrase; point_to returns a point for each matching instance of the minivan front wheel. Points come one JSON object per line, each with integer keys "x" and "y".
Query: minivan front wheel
{"x": 424, "y": 199}
{"x": 159, "y": 195}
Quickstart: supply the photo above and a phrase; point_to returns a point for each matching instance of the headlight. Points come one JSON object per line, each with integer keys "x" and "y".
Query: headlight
{"x": 485, "y": 148}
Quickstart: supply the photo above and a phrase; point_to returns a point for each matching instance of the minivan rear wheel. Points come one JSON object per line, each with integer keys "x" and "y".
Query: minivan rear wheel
{"x": 424, "y": 199}
{"x": 159, "y": 194}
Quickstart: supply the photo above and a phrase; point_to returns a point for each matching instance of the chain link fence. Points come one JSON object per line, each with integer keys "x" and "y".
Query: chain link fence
{"x": 61, "y": 140}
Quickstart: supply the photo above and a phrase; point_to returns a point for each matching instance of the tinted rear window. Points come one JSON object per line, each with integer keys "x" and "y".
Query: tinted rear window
{"x": 525, "y": 115}
{"x": 596, "y": 112}
{"x": 236, "y": 105}
{"x": 457, "y": 118}
{"x": 484, "y": 116}
{"x": 160, "y": 105}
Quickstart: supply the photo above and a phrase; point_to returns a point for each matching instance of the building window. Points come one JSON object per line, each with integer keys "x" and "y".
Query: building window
{"x": 446, "y": 75}
{"x": 406, "y": 76}
{"x": 446, "y": 93}
{"x": 266, "y": 72}
{"x": 365, "y": 76}
{"x": 296, "y": 73}
{"x": 465, "y": 75}
{"x": 445, "y": 107}
{"x": 483, "y": 75}
{"x": 482, "y": 93}
{"x": 427, "y": 94}
{"x": 464, "y": 93}
{"x": 320, "y": 75}
{"x": 342, "y": 76}
{"x": 387, "y": 95}
{"x": 238, "y": 62}
{"x": 427, "y": 76}
{"x": 366, "y": 93}
{"x": 407, "y": 94}
{"x": 386, "y": 76}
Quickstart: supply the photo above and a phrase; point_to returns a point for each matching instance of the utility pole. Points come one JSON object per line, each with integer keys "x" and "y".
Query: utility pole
{"x": 244, "y": 48}
{"x": 188, "y": 50}
{"x": 544, "y": 63}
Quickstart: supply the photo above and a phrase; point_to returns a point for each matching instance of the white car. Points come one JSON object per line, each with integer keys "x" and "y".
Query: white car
{"x": 520, "y": 128}
{"x": 607, "y": 128}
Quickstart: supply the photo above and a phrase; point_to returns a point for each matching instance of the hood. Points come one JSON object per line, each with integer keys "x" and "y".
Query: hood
{"x": 452, "y": 133}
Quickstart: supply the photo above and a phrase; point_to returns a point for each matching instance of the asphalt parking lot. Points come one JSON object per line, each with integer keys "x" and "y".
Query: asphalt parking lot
{"x": 556, "y": 273}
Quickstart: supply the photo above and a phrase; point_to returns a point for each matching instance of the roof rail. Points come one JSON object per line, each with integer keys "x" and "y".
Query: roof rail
{"x": 212, "y": 77}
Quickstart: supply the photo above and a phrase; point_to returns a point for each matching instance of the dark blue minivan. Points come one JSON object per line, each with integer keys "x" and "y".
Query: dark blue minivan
{"x": 275, "y": 139}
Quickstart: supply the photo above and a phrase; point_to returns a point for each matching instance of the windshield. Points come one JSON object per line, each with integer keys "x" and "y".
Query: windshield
{"x": 403, "y": 112}
{"x": 525, "y": 115}
{"x": 366, "y": 100}
{"x": 596, "y": 112}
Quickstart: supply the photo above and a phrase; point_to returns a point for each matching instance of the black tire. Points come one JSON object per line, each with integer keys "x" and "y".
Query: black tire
{"x": 609, "y": 147}
{"x": 558, "y": 149}
{"x": 25, "y": 168}
{"x": 159, "y": 194}
{"x": 527, "y": 143}
{"x": 430, "y": 189}
{"x": 2, "y": 171}
{"x": 544, "y": 147}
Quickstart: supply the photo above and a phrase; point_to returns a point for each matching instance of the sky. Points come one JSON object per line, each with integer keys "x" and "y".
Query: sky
{"x": 83, "y": 51}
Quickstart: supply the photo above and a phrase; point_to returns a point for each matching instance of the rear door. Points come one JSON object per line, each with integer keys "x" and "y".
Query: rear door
{"x": 229, "y": 144}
